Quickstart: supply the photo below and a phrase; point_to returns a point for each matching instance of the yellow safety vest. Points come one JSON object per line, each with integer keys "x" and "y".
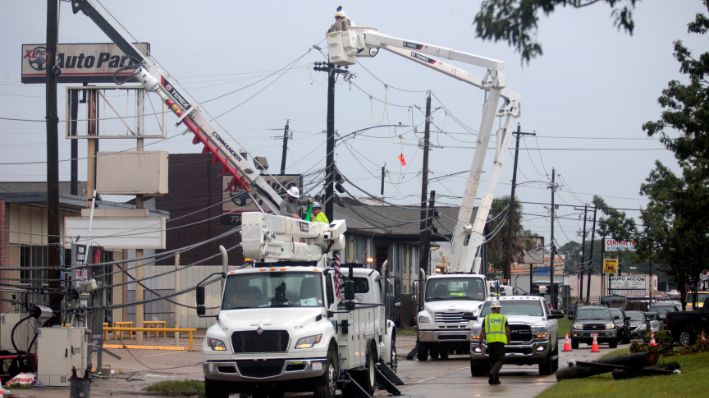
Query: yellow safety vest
{"x": 321, "y": 217}
{"x": 495, "y": 331}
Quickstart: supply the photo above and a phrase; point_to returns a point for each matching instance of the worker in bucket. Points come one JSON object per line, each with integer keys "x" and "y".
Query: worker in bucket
{"x": 496, "y": 332}
{"x": 291, "y": 204}
{"x": 341, "y": 21}
{"x": 318, "y": 215}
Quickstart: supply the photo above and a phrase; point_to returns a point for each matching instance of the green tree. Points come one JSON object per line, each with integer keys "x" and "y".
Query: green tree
{"x": 677, "y": 216}
{"x": 614, "y": 224}
{"x": 521, "y": 238}
{"x": 572, "y": 254}
{"x": 515, "y": 21}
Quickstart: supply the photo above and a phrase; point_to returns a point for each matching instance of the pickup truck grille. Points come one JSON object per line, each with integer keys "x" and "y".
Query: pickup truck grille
{"x": 449, "y": 317}
{"x": 266, "y": 341}
{"x": 594, "y": 326}
{"x": 521, "y": 332}
{"x": 260, "y": 367}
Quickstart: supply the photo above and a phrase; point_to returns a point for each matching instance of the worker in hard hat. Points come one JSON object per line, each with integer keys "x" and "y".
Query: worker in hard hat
{"x": 318, "y": 215}
{"x": 292, "y": 203}
{"x": 341, "y": 21}
{"x": 496, "y": 333}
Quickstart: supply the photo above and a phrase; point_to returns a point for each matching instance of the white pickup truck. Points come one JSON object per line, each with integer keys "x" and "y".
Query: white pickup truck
{"x": 534, "y": 335}
{"x": 440, "y": 327}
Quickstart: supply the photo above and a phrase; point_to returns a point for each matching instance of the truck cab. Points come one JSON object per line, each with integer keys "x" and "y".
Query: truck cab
{"x": 441, "y": 329}
{"x": 282, "y": 328}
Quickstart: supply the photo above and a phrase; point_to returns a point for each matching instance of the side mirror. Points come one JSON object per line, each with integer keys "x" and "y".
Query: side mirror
{"x": 349, "y": 295}
{"x": 616, "y": 317}
{"x": 199, "y": 294}
{"x": 415, "y": 292}
{"x": 469, "y": 316}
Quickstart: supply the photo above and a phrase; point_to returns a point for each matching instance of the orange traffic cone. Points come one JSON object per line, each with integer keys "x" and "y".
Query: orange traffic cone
{"x": 567, "y": 343}
{"x": 594, "y": 345}
{"x": 652, "y": 340}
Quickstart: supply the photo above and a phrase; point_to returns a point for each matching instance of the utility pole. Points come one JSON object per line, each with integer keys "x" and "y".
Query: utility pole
{"x": 285, "y": 147}
{"x": 583, "y": 246}
{"x": 423, "y": 247}
{"x": 506, "y": 274}
{"x": 590, "y": 257}
{"x": 53, "y": 161}
{"x": 332, "y": 71}
{"x": 381, "y": 190}
{"x": 553, "y": 247}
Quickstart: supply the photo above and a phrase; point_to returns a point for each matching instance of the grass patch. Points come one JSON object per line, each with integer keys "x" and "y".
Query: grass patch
{"x": 691, "y": 383}
{"x": 564, "y": 325}
{"x": 177, "y": 388}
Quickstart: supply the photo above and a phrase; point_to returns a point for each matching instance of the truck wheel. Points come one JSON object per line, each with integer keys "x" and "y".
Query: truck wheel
{"x": 421, "y": 351}
{"x": 686, "y": 338}
{"x": 555, "y": 361}
{"x": 434, "y": 351}
{"x": 479, "y": 369}
{"x": 613, "y": 344}
{"x": 545, "y": 366}
{"x": 327, "y": 385}
{"x": 215, "y": 389}
{"x": 574, "y": 344}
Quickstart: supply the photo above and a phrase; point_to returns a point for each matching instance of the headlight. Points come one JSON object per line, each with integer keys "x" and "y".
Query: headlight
{"x": 308, "y": 342}
{"x": 578, "y": 325}
{"x": 424, "y": 319}
{"x": 610, "y": 325}
{"x": 216, "y": 344}
{"x": 540, "y": 333}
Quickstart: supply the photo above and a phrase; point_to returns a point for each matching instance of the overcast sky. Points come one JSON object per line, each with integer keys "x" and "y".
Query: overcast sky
{"x": 586, "y": 97}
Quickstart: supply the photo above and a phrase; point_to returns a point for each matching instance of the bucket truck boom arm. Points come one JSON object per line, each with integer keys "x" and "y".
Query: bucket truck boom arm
{"x": 358, "y": 41}
{"x": 246, "y": 172}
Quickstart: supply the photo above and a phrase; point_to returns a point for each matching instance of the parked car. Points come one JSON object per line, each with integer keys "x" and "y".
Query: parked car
{"x": 590, "y": 320}
{"x": 685, "y": 326}
{"x": 641, "y": 322}
{"x": 663, "y": 308}
{"x": 622, "y": 323}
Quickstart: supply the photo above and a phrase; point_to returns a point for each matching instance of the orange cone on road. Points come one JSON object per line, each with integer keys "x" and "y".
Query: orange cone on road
{"x": 594, "y": 345}
{"x": 652, "y": 340}
{"x": 567, "y": 343}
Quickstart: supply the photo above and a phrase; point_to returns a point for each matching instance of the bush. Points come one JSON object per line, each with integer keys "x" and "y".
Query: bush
{"x": 663, "y": 341}
{"x": 701, "y": 345}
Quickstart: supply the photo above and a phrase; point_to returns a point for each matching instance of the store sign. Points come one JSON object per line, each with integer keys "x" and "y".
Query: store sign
{"x": 79, "y": 62}
{"x": 610, "y": 265}
{"x": 613, "y": 245}
{"x": 629, "y": 293}
{"x": 629, "y": 282}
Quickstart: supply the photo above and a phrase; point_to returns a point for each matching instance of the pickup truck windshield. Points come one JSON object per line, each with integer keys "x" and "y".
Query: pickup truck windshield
{"x": 601, "y": 314}
{"x": 516, "y": 307}
{"x": 455, "y": 289}
{"x": 273, "y": 289}
{"x": 635, "y": 316}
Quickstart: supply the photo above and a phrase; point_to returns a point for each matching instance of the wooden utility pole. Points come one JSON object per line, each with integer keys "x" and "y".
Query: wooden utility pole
{"x": 506, "y": 274}
{"x": 583, "y": 246}
{"x": 590, "y": 257}
{"x": 423, "y": 248}
{"x": 285, "y": 147}
{"x": 553, "y": 246}
{"x": 52, "y": 119}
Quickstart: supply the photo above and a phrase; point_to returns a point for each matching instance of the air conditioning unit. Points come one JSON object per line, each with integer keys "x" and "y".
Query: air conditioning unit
{"x": 59, "y": 349}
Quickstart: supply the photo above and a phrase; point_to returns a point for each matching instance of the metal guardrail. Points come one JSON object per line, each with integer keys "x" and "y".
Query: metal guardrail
{"x": 190, "y": 334}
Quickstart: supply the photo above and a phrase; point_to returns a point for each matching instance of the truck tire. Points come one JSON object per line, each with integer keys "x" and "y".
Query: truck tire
{"x": 365, "y": 378}
{"x": 421, "y": 351}
{"x": 443, "y": 353}
{"x": 613, "y": 344}
{"x": 574, "y": 344}
{"x": 326, "y": 387}
{"x": 479, "y": 369}
{"x": 434, "y": 351}
{"x": 555, "y": 361}
{"x": 546, "y": 365}
{"x": 393, "y": 360}
{"x": 215, "y": 389}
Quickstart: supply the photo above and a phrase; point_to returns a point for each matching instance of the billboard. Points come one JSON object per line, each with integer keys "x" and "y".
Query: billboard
{"x": 79, "y": 62}
{"x": 613, "y": 245}
{"x": 235, "y": 203}
{"x": 638, "y": 282}
{"x": 610, "y": 265}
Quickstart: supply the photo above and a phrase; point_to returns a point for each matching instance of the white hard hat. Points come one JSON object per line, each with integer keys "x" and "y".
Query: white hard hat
{"x": 317, "y": 205}
{"x": 294, "y": 191}
{"x": 495, "y": 304}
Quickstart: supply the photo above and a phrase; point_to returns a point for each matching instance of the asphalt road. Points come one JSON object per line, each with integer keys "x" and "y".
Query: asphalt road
{"x": 440, "y": 378}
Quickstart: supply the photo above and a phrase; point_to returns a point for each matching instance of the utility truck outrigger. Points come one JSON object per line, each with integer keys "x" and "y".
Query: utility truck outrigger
{"x": 445, "y": 298}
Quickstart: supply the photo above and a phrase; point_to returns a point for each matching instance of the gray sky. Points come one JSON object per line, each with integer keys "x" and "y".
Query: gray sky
{"x": 586, "y": 97}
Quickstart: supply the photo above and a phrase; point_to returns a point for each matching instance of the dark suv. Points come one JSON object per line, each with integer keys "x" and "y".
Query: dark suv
{"x": 622, "y": 322}
{"x": 590, "y": 320}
